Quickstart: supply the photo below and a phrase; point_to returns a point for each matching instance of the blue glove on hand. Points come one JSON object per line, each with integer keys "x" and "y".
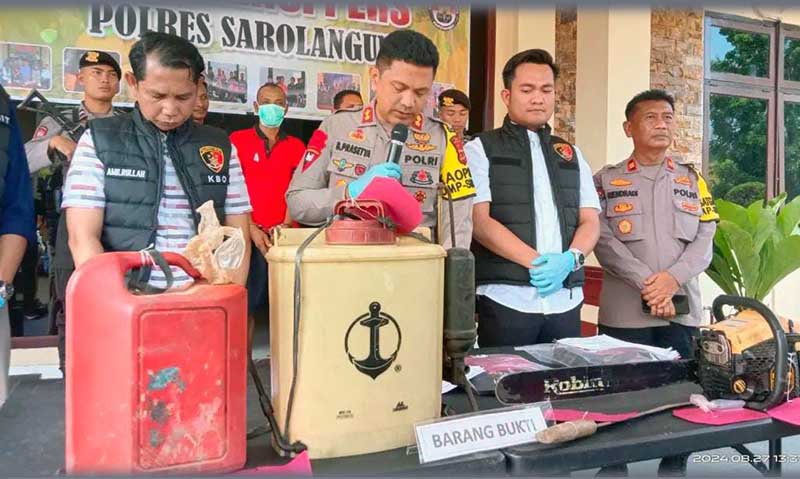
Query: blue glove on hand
{"x": 550, "y": 270}
{"x": 386, "y": 170}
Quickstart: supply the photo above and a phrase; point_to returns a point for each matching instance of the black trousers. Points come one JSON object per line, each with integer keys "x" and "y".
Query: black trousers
{"x": 25, "y": 281}
{"x": 675, "y": 336}
{"x": 499, "y": 325}
{"x": 25, "y": 287}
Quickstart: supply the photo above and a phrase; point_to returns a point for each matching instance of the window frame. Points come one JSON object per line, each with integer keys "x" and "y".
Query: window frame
{"x": 773, "y": 88}
{"x": 712, "y": 20}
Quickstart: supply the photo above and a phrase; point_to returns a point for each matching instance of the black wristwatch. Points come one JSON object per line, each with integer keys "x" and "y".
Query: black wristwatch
{"x": 579, "y": 258}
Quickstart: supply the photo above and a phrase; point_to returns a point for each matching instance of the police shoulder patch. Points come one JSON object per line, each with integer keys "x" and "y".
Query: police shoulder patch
{"x": 564, "y": 150}
{"x": 213, "y": 158}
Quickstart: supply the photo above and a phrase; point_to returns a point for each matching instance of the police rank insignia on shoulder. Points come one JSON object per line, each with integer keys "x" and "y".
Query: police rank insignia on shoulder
{"x": 564, "y": 151}
{"x": 418, "y": 122}
{"x": 213, "y": 158}
{"x": 366, "y": 114}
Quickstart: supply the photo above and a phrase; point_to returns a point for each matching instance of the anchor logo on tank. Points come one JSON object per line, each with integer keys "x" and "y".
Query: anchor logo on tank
{"x": 374, "y": 364}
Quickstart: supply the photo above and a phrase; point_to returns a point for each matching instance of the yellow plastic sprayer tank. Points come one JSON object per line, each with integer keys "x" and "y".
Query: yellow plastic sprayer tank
{"x": 369, "y": 355}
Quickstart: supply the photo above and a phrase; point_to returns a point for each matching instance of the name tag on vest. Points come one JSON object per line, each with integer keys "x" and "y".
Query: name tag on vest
{"x": 216, "y": 179}
{"x": 132, "y": 173}
{"x": 5, "y": 120}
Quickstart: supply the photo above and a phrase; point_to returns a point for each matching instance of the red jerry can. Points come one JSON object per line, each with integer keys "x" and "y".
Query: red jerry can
{"x": 155, "y": 383}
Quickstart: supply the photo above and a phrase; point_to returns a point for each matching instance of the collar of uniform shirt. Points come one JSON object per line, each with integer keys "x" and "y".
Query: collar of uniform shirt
{"x": 281, "y": 136}
{"x": 84, "y": 113}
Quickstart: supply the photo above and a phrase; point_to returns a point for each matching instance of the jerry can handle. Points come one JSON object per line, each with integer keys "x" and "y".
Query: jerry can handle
{"x": 132, "y": 260}
{"x": 179, "y": 260}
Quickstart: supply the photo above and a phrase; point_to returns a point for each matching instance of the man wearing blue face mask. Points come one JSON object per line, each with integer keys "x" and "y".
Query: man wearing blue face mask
{"x": 269, "y": 157}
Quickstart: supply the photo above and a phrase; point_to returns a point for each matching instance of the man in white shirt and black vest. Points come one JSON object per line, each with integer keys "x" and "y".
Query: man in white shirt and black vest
{"x": 535, "y": 215}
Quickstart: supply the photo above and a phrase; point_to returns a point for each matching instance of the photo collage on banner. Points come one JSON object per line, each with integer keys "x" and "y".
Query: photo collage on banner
{"x": 311, "y": 51}
{"x": 26, "y": 66}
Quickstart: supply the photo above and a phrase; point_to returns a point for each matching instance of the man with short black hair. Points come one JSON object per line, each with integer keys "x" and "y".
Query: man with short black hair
{"x": 200, "y": 111}
{"x": 137, "y": 179}
{"x": 99, "y": 74}
{"x": 535, "y": 215}
{"x": 454, "y": 107}
{"x": 357, "y": 141}
{"x": 347, "y": 100}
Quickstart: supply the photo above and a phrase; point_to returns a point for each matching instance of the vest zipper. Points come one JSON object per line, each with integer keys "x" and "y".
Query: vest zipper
{"x": 160, "y": 178}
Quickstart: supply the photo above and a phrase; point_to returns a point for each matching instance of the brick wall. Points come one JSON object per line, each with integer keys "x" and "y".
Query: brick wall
{"x": 676, "y": 65}
{"x": 566, "y": 59}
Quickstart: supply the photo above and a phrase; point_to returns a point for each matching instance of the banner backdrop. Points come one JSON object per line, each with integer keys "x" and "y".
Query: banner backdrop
{"x": 312, "y": 51}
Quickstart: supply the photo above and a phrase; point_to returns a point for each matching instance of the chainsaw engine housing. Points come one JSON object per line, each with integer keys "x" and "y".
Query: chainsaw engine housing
{"x": 736, "y": 357}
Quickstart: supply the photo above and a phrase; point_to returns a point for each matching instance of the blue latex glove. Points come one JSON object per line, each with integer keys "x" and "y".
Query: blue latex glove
{"x": 387, "y": 170}
{"x": 550, "y": 270}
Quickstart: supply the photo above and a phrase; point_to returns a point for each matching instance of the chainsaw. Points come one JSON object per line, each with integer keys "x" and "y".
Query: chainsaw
{"x": 750, "y": 355}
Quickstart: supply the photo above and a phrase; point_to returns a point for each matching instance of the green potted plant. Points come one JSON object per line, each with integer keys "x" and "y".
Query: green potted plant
{"x": 755, "y": 247}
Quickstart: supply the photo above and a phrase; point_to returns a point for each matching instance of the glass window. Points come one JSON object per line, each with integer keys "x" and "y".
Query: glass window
{"x": 738, "y": 148}
{"x": 791, "y": 119}
{"x": 729, "y": 50}
{"x": 791, "y": 59}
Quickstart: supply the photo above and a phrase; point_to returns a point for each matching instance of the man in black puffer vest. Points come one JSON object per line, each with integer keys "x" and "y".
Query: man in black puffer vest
{"x": 136, "y": 179}
{"x": 535, "y": 215}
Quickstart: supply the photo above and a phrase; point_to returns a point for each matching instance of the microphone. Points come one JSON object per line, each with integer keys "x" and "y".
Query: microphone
{"x": 399, "y": 137}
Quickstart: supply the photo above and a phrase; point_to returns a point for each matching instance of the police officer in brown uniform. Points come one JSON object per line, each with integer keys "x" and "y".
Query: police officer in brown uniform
{"x": 355, "y": 144}
{"x": 99, "y": 74}
{"x": 454, "y": 108}
{"x": 656, "y": 230}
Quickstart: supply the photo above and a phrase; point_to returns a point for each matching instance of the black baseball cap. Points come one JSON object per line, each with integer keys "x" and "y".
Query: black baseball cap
{"x": 454, "y": 97}
{"x": 98, "y": 57}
